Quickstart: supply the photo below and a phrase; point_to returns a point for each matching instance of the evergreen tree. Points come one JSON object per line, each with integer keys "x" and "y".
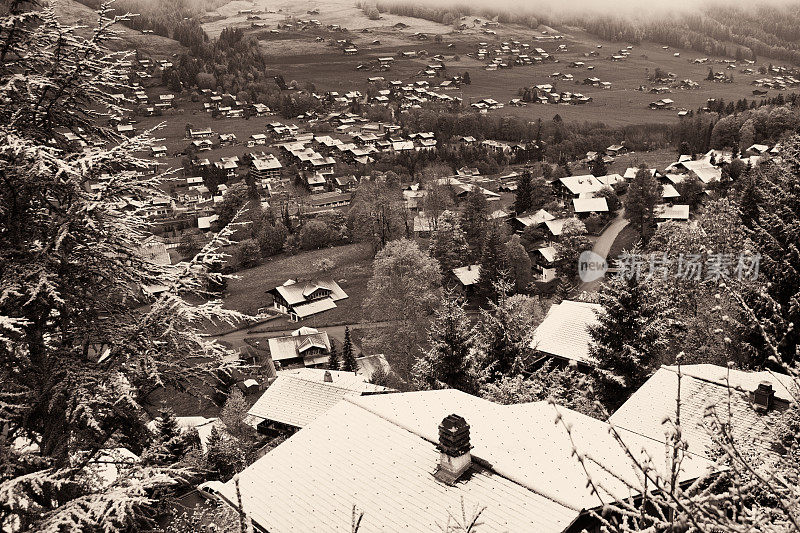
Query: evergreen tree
{"x": 523, "y": 196}
{"x": 349, "y": 363}
{"x": 234, "y": 412}
{"x": 169, "y": 444}
{"x": 80, "y": 344}
{"x": 627, "y": 340}
{"x": 519, "y": 263}
{"x": 167, "y": 425}
{"x": 644, "y": 193}
{"x": 542, "y": 192}
{"x": 474, "y": 218}
{"x": 749, "y": 200}
{"x": 598, "y": 166}
{"x": 448, "y": 242}
{"x": 573, "y": 242}
{"x": 449, "y": 362}
{"x": 494, "y": 263}
{"x": 334, "y": 361}
{"x": 505, "y": 332}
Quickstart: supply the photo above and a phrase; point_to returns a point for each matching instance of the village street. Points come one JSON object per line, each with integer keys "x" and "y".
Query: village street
{"x": 603, "y": 245}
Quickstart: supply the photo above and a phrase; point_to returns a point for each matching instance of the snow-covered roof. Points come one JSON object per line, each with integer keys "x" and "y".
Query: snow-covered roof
{"x": 378, "y": 453}
{"x": 564, "y": 332}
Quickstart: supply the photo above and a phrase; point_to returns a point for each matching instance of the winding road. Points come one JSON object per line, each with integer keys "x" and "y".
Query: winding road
{"x": 603, "y": 245}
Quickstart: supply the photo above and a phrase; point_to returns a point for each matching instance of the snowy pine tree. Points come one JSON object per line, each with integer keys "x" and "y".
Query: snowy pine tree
{"x": 81, "y": 343}
{"x": 494, "y": 263}
{"x": 505, "y": 332}
{"x": 450, "y": 361}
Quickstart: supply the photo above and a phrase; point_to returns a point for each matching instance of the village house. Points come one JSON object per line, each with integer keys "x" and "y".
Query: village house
{"x": 663, "y": 213}
{"x": 545, "y": 264}
{"x": 298, "y": 397}
{"x": 306, "y": 298}
{"x": 200, "y": 134}
{"x": 305, "y": 346}
{"x": 467, "y": 277}
{"x": 754, "y": 402}
{"x": 586, "y": 206}
{"x": 440, "y": 453}
{"x": 563, "y": 336}
{"x": 536, "y": 219}
{"x": 326, "y": 201}
{"x": 265, "y": 166}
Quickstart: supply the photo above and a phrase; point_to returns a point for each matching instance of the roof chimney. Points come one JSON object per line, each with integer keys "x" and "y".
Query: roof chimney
{"x": 327, "y": 378}
{"x": 763, "y": 396}
{"x": 454, "y": 446}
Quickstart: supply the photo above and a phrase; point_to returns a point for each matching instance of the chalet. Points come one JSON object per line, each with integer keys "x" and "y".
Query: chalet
{"x": 259, "y": 110}
{"x": 200, "y": 134}
{"x": 265, "y": 166}
{"x": 467, "y": 277}
{"x": 585, "y": 206}
{"x": 564, "y": 335}
{"x": 327, "y": 201}
{"x": 754, "y": 402}
{"x": 664, "y": 103}
{"x": 703, "y": 169}
{"x": 229, "y": 166}
{"x": 663, "y": 213}
{"x": 536, "y": 219}
{"x": 669, "y": 192}
{"x": 305, "y": 346}
{"x": 257, "y": 139}
{"x": 126, "y": 129}
{"x": 545, "y": 264}
{"x": 227, "y": 139}
{"x": 758, "y": 149}
{"x": 202, "y": 145}
{"x": 346, "y": 183}
{"x": 615, "y": 149}
{"x": 580, "y": 186}
{"x": 303, "y": 299}
{"x": 297, "y": 397}
{"x": 166, "y": 100}
{"x": 316, "y": 182}
{"x": 439, "y": 451}
{"x": 158, "y": 151}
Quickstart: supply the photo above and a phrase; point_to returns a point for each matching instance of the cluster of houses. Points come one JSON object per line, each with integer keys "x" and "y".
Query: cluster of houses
{"x": 546, "y": 94}
{"x": 510, "y": 53}
{"x": 355, "y": 445}
{"x": 780, "y": 83}
{"x": 416, "y": 94}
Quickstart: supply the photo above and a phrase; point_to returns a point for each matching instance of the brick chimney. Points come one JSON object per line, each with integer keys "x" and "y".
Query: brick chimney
{"x": 454, "y": 446}
{"x": 327, "y": 378}
{"x": 763, "y": 396}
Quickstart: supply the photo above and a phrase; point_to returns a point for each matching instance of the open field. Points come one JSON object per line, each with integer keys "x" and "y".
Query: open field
{"x": 299, "y": 56}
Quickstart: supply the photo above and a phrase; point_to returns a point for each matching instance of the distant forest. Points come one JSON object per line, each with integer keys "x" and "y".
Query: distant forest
{"x": 769, "y": 31}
